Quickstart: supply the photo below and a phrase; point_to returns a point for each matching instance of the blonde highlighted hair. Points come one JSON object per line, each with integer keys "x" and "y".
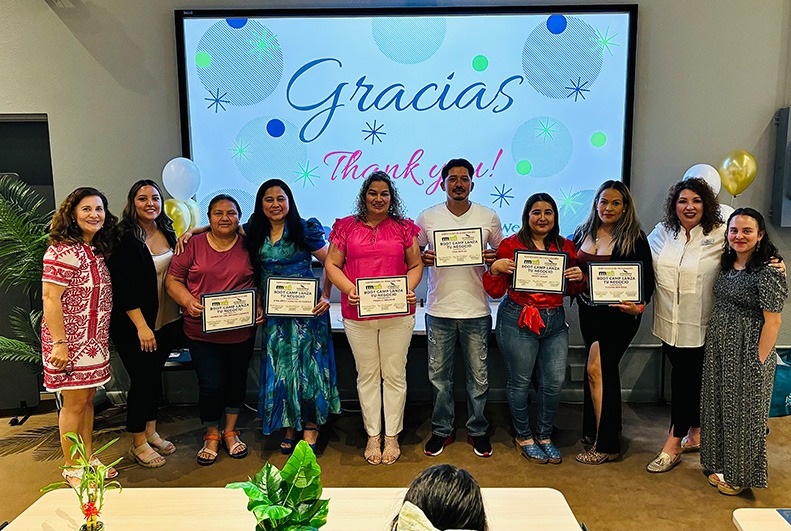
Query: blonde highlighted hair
{"x": 627, "y": 229}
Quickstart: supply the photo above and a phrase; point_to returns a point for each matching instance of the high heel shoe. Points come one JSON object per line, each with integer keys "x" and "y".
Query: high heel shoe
{"x": 392, "y": 450}
{"x": 373, "y": 450}
{"x": 311, "y": 428}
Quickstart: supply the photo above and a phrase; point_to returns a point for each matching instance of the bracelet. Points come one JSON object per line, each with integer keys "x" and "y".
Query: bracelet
{"x": 59, "y": 342}
{"x": 641, "y": 307}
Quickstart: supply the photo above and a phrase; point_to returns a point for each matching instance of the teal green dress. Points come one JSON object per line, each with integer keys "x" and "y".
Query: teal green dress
{"x": 298, "y": 378}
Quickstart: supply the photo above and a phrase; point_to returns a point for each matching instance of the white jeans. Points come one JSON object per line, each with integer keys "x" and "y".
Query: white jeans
{"x": 380, "y": 347}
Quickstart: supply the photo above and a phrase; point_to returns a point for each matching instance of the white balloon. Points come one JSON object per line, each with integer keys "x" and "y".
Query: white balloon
{"x": 181, "y": 178}
{"x": 726, "y": 211}
{"x": 706, "y": 172}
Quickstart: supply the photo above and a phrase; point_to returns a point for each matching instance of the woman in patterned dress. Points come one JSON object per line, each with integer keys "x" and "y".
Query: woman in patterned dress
{"x": 77, "y": 299}
{"x": 298, "y": 382}
{"x": 739, "y": 364}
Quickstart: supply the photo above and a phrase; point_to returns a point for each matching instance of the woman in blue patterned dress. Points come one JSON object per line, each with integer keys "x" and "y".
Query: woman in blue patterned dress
{"x": 298, "y": 381}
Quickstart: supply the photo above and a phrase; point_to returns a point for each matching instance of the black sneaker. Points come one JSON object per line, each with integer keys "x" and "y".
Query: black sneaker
{"x": 480, "y": 445}
{"x": 436, "y": 444}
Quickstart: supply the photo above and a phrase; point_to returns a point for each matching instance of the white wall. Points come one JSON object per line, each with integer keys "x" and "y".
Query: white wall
{"x": 710, "y": 75}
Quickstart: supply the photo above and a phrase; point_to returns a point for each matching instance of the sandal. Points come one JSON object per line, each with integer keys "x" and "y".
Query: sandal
{"x": 287, "y": 443}
{"x": 392, "y": 450}
{"x": 109, "y": 473}
{"x": 154, "y": 460}
{"x": 531, "y": 452}
{"x": 373, "y": 450}
{"x": 687, "y": 447}
{"x": 206, "y": 461}
{"x": 164, "y": 447}
{"x": 595, "y": 457}
{"x": 311, "y": 428}
{"x": 728, "y": 489}
{"x": 72, "y": 476}
{"x": 237, "y": 450}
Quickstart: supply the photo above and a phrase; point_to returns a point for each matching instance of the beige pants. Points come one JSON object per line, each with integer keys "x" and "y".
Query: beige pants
{"x": 380, "y": 347}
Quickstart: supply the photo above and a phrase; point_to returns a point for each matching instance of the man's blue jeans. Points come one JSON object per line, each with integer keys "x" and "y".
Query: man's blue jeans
{"x": 473, "y": 334}
{"x": 522, "y": 349}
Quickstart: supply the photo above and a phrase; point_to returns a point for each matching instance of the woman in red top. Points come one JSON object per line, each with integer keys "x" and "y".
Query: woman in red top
{"x": 531, "y": 327}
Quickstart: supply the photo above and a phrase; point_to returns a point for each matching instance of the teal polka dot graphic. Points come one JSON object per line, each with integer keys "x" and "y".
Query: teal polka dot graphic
{"x": 203, "y": 59}
{"x": 523, "y": 167}
{"x": 408, "y": 41}
{"x": 480, "y": 63}
{"x": 598, "y": 139}
{"x": 541, "y": 147}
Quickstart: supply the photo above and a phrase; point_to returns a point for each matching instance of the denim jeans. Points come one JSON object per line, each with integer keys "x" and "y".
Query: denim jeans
{"x": 473, "y": 334}
{"x": 522, "y": 349}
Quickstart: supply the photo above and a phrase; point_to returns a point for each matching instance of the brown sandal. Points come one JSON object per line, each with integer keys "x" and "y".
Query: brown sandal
{"x": 392, "y": 450}
{"x": 237, "y": 449}
{"x": 373, "y": 450}
{"x": 154, "y": 459}
{"x": 206, "y": 461}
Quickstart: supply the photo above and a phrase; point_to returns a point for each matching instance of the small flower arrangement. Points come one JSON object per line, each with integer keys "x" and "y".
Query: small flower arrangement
{"x": 92, "y": 484}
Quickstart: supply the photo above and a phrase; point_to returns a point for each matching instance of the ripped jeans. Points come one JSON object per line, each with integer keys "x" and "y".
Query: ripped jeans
{"x": 473, "y": 334}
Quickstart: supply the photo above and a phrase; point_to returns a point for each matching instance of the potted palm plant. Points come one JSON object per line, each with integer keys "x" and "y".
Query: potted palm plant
{"x": 92, "y": 485}
{"x": 288, "y": 499}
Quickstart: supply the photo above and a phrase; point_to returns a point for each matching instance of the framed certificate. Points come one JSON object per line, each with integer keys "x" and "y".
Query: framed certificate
{"x": 613, "y": 282}
{"x": 539, "y": 272}
{"x": 228, "y": 310}
{"x": 382, "y": 296}
{"x": 458, "y": 247}
{"x": 291, "y": 297}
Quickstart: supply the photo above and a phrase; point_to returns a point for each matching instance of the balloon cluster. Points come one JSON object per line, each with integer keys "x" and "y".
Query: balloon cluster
{"x": 736, "y": 172}
{"x": 181, "y": 178}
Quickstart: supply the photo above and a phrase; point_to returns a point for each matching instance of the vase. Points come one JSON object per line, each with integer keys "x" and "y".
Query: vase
{"x": 94, "y": 526}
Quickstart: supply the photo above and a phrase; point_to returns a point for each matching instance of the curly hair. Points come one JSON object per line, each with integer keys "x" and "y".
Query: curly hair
{"x": 396, "y": 210}
{"x": 64, "y": 229}
{"x": 763, "y": 252}
{"x": 130, "y": 219}
{"x": 711, "y": 207}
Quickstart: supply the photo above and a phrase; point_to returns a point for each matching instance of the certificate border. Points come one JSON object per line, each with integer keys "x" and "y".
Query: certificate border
{"x": 209, "y": 296}
{"x": 315, "y": 283}
{"x": 357, "y": 287}
{"x": 434, "y": 241}
{"x": 543, "y": 253}
{"x": 592, "y": 265}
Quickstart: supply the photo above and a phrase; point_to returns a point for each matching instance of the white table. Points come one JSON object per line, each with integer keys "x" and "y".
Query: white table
{"x": 210, "y": 509}
{"x": 754, "y": 519}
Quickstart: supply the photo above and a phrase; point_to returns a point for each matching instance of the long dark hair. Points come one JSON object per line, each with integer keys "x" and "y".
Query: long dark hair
{"x": 130, "y": 219}
{"x": 627, "y": 229}
{"x": 64, "y": 229}
{"x": 711, "y": 207}
{"x": 764, "y": 251}
{"x": 396, "y": 210}
{"x": 449, "y": 497}
{"x": 525, "y": 235}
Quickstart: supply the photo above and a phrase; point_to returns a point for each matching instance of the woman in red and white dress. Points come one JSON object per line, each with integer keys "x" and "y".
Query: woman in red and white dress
{"x": 77, "y": 298}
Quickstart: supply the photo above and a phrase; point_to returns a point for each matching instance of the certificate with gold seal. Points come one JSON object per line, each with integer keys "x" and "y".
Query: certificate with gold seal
{"x": 458, "y": 247}
{"x": 228, "y": 310}
{"x": 382, "y": 296}
{"x": 291, "y": 296}
{"x": 613, "y": 282}
{"x": 539, "y": 272}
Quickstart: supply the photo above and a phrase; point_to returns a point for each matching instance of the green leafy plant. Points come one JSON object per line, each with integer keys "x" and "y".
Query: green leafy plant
{"x": 23, "y": 241}
{"x": 93, "y": 485}
{"x": 287, "y": 500}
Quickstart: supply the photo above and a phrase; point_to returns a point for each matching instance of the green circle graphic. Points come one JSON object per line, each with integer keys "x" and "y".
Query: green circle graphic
{"x": 598, "y": 139}
{"x": 523, "y": 167}
{"x": 203, "y": 59}
{"x": 480, "y": 63}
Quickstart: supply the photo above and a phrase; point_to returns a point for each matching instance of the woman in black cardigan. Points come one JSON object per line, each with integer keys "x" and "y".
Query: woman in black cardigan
{"x": 146, "y": 323}
{"x": 611, "y": 233}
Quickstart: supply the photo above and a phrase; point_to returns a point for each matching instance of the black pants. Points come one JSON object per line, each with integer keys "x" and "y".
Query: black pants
{"x": 614, "y": 330}
{"x": 222, "y": 377}
{"x": 685, "y": 376}
{"x": 145, "y": 374}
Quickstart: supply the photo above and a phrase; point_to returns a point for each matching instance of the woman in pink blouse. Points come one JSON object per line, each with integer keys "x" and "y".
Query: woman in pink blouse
{"x": 377, "y": 241}
{"x": 77, "y": 298}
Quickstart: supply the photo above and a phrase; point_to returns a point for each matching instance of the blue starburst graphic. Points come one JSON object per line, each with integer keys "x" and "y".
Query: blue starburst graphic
{"x": 217, "y": 101}
{"x": 577, "y": 89}
{"x": 502, "y": 196}
{"x": 240, "y": 150}
{"x": 374, "y": 132}
{"x": 306, "y": 175}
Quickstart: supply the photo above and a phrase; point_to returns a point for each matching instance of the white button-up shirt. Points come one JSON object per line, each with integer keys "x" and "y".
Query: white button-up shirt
{"x": 685, "y": 273}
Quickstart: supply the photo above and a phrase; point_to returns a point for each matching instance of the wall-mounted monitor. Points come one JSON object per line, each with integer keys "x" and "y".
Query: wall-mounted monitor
{"x": 537, "y": 98}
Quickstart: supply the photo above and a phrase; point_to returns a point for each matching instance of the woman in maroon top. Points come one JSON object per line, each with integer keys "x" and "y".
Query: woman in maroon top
{"x": 531, "y": 327}
{"x": 216, "y": 261}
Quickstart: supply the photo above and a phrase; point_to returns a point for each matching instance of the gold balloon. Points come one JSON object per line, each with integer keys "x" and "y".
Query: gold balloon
{"x": 179, "y": 213}
{"x": 737, "y": 171}
{"x": 194, "y": 209}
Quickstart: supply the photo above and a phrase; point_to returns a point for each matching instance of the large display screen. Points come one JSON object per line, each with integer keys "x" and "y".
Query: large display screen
{"x": 536, "y": 100}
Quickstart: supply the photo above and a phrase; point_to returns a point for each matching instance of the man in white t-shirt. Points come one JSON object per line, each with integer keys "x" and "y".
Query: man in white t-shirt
{"x": 458, "y": 310}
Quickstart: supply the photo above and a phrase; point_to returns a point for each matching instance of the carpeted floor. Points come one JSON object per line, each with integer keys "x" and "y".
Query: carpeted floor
{"x": 614, "y": 496}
